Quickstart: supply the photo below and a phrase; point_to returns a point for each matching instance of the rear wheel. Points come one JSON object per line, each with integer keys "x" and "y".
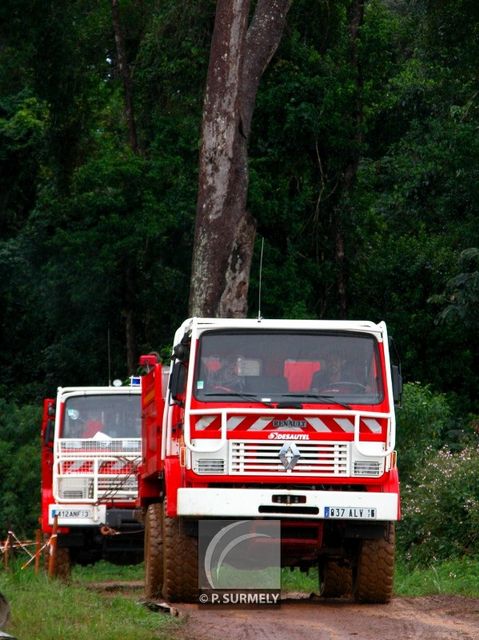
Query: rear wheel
{"x": 375, "y": 570}
{"x": 62, "y": 565}
{"x": 335, "y": 580}
{"x": 180, "y": 565}
{"x": 154, "y": 550}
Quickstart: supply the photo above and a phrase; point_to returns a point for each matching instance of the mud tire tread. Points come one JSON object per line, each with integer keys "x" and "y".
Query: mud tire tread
{"x": 180, "y": 568}
{"x": 336, "y": 581}
{"x": 154, "y": 550}
{"x": 375, "y": 570}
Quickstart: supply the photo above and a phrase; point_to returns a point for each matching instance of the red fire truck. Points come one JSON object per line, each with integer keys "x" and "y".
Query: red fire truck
{"x": 285, "y": 419}
{"x": 91, "y": 447}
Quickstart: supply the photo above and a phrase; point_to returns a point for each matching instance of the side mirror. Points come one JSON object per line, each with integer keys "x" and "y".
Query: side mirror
{"x": 178, "y": 381}
{"x": 181, "y": 351}
{"x": 397, "y": 382}
{"x": 49, "y": 432}
{"x": 395, "y": 370}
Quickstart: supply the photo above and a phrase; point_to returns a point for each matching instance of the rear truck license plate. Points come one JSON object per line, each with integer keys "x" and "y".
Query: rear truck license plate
{"x": 350, "y": 513}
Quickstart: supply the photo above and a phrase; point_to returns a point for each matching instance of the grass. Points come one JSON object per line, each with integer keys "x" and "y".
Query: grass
{"x": 103, "y": 571}
{"x": 43, "y": 609}
{"x": 297, "y": 581}
{"x": 452, "y": 577}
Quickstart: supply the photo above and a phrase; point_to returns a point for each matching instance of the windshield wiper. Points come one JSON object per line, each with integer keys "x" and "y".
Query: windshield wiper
{"x": 246, "y": 396}
{"x": 321, "y": 396}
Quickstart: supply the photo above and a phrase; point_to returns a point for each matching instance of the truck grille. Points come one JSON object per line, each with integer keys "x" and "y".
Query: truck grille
{"x": 88, "y": 470}
{"x": 368, "y": 468}
{"x": 82, "y": 446}
{"x": 208, "y": 466}
{"x": 259, "y": 457}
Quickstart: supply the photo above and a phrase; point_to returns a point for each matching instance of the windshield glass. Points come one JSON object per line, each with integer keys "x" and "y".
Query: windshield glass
{"x": 282, "y": 366}
{"x": 109, "y": 416}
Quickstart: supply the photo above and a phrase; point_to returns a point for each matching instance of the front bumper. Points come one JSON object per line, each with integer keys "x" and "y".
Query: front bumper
{"x": 87, "y": 515}
{"x": 284, "y": 503}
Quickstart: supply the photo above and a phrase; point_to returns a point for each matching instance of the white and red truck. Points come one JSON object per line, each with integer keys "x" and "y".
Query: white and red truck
{"x": 90, "y": 451}
{"x": 274, "y": 419}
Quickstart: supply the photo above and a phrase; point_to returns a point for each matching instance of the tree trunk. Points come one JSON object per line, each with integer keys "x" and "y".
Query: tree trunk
{"x": 224, "y": 232}
{"x": 129, "y": 288}
{"x": 124, "y": 71}
{"x": 129, "y": 318}
{"x": 356, "y": 17}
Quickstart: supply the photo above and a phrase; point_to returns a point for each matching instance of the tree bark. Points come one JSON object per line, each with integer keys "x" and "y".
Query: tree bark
{"x": 128, "y": 312}
{"x": 356, "y": 17}
{"x": 225, "y": 231}
{"x": 124, "y": 71}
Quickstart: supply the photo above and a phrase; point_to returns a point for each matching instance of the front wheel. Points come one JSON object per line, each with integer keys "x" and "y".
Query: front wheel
{"x": 154, "y": 550}
{"x": 180, "y": 566}
{"x": 375, "y": 570}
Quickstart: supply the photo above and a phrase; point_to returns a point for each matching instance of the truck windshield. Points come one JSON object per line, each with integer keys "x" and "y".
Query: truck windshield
{"x": 109, "y": 416}
{"x": 279, "y": 366}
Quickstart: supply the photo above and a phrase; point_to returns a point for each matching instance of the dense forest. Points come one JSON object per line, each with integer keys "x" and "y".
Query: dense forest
{"x": 363, "y": 182}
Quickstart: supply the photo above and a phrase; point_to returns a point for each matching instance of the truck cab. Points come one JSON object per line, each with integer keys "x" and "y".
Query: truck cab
{"x": 91, "y": 447}
{"x": 285, "y": 419}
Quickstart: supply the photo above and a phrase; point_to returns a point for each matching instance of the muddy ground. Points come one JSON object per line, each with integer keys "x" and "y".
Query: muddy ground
{"x": 439, "y": 617}
{"x": 427, "y": 618}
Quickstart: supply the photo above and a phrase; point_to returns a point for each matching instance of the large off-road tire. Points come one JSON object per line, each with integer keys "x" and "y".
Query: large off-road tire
{"x": 335, "y": 581}
{"x": 375, "y": 569}
{"x": 180, "y": 566}
{"x": 154, "y": 550}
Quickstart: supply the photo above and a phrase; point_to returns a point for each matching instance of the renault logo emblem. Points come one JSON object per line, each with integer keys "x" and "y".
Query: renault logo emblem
{"x": 289, "y": 455}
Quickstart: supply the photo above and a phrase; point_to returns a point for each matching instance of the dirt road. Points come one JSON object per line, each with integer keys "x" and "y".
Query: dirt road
{"x": 299, "y": 617}
{"x": 426, "y": 618}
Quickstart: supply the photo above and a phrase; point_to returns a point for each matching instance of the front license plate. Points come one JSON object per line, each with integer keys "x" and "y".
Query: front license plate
{"x": 350, "y": 513}
{"x": 71, "y": 513}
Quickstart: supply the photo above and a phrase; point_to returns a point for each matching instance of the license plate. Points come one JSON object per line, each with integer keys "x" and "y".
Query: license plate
{"x": 350, "y": 513}
{"x": 71, "y": 513}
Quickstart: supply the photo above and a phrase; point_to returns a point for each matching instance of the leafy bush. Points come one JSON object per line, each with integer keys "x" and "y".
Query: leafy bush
{"x": 422, "y": 422}
{"x": 19, "y": 468}
{"x": 441, "y": 507}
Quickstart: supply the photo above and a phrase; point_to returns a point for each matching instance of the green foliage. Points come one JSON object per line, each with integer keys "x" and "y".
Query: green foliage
{"x": 107, "y": 572}
{"x": 422, "y": 424}
{"x": 19, "y": 468}
{"x": 458, "y": 576}
{"x": 461, "y": 296}
{"x": 440, "y": 507}
{"x": 439, "y": 491}
{"x": 56, "y": 610}
{"x": 94, "y": 236}
{"x": 82, "y": 216}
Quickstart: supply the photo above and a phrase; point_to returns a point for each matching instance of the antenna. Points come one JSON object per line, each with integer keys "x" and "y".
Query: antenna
{"x": 260, "y": 278}
{"x": 109, "y": 357}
